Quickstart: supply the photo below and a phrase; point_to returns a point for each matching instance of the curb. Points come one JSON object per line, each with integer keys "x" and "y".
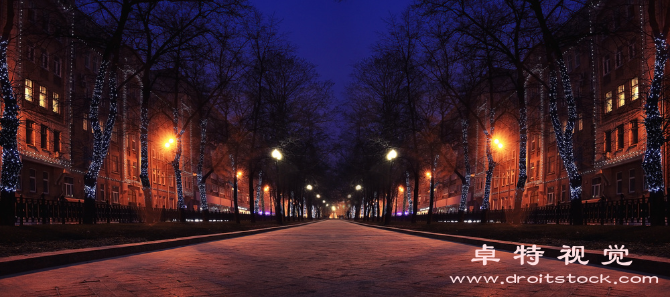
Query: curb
{"x": 19, "y": 264}
{"x": 642, "y": 264}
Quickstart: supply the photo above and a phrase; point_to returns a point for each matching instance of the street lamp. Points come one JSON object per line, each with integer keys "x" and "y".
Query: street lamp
{"x": 276, "y": 154}
{"x": 309, "y": 187}
{"x": 358, "y": 187}
{"x": 391, "y": 155}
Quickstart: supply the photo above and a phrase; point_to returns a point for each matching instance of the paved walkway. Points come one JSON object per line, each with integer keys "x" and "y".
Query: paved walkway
{"x": 322, "y": 259}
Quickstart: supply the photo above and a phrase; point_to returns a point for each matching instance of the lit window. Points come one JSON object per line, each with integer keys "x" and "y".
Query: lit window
{"x": 608, "y": 102}
{"x": 634, "y": 89}
{"x": 580, "y": 122}
{"x": 55, "y": 102}
{"x": 621, "y": 96}
{"x": 43, "y": 97}
{"x": 28, "y": 90}
{"x": 69, "y": 186}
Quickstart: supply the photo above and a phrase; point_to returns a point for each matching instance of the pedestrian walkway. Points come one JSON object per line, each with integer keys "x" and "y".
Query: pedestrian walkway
{"x": 323, "y": 259}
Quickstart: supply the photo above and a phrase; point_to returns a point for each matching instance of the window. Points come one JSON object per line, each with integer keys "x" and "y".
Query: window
{"x": 33, "y": 180}
{"x": 44, "y": 137}
{"x": 631, "y": 181}
{"x": 619, "y": 183}
{"x": 85, "y": 122}
{"x": 580, "y": 122}
{"x": 608, "y": 141}
{"x": 55, "y": 102}
{"x": 45, "y": 182}
{"x": 532, "y": 169}
{"x": 550, "y": 164}
{"x": 57, "y": 66}
{"x": 550, "y": 195}
{"x": 87, "y": 60}
{"x": 102, "y": 192}
{"x": 568, "y": 62}
{"x": 577, "y": 60}
{"x": 28, "y": 92}
{"x": 619, "y": 137}
{"x": 153, "y": 175}
{"x": 621, "y": 95}
{"x": 115, "y": 194}
{"x": 606, "y": 65}
{"x": 633, "y": 132}
{"x": 532, "y": 143}
{"x": 631, "y": 50}
{"x": 43, "y": 97}
{"x": 30, "y": 53}
{"x": 19, "y": 182}
{"x": 618, "y": 58}
{"x": 634, "y": 89}
{"x": 564, "y": 193}
{"x": 56, "y": 141}
{"x": 115, "y": 164}
{"x": 595, "y": 187}
{"x": 45, "y": 60}
{"x": 30, "y": 134}
{"x": 608, "y": 102}
{"x": 134, "y": 169}
{"x": 69, "y": 186}
{"x": 132, "y": 198}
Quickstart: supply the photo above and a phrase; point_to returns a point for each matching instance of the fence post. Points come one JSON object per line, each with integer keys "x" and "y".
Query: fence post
{"x": 22, "y": 210}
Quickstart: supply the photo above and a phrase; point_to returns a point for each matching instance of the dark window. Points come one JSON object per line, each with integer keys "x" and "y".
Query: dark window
{"x": 631, "y": 181}
{"x": 618, "y": 58}
{"x": 30, "y": 134}
{"x": 44, "y": 137}
{"x": 606, "y": 65}
{"x": 633, "y": 132}
{"x": 619, "y": 137}
{"x": 608, "y": 141}
{"x": 56, "y": 141}
{"x": 619, "y": 182}
{"x": 33, "y": 180}
{"x": 45, "y": 182}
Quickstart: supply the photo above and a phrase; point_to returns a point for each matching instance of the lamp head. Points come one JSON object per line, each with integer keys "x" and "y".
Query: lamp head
{"x": 277, "y": 154}
{"x": 392, "y": 154}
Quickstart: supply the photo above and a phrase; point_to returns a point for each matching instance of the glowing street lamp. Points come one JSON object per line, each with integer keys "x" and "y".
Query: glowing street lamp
{"x": 277, "y": 154}
{"x": 266, "y": 189}
{"x": 349, "y": 196}
{"x": 392, "y": 154}
{"x": 498, "y": 142}
{"x": 309, "y": 187}
{"x": 358, "y": 187}
{"x": 318, "y": 196}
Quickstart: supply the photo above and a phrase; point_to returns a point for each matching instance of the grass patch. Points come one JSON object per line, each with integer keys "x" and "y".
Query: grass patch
{"x": 639, "y": 240}
{"x": 47, "y": 238}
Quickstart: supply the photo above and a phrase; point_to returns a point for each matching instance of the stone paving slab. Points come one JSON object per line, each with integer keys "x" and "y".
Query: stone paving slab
{"x": 24, "y": 263}
{"x": 641, "y": 264}
{"x": 328, "y": 258}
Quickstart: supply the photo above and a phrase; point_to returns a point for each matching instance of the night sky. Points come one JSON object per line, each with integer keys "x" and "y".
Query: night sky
{"x": 331, "y": 34}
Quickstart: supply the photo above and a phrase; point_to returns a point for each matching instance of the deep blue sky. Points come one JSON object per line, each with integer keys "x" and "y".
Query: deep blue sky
{"x": 331, "y": 34}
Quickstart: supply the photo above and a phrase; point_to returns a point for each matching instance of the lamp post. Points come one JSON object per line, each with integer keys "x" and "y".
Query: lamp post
{"x": 276, "y": 154}
{"x": 358, "y": 207}
{"x": 392, "y": 154}
{"x": 309, "y": 202}
{"x": 432, "y": 196}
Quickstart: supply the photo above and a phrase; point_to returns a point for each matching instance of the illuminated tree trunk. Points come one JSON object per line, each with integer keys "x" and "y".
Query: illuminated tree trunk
{"x": 654, "y": 122}
{"x": 101, "y": 138}
{"x": 11, "y": 159}
{"x": 202, "y": 188}
{"x": 465, "y": 180}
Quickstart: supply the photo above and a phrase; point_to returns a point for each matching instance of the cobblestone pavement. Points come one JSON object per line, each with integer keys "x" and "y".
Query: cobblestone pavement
{"x": 322, "y": 259}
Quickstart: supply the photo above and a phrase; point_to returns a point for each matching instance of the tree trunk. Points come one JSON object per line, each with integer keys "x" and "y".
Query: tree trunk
{"x": 415, "y": 203}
